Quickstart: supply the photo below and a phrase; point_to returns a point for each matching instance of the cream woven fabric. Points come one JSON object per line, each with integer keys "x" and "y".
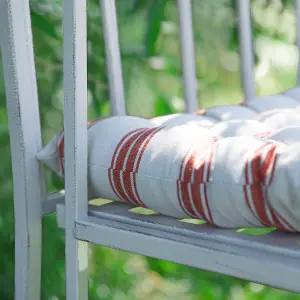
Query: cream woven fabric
{"x": 222, "y": 166}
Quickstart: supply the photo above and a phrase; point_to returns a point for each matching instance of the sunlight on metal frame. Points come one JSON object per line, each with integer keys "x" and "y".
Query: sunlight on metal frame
{"x": 113, "y": 57}
{"x": 188, "y": 55}
{"x": 75, "y": 124}
{"x": 246, "y": 48}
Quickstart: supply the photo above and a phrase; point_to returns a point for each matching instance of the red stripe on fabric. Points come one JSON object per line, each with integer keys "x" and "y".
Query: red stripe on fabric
{"x": 209, "y": 164}
{"x": 269, "y": 165}
{"x": 120, "y": 144}
{"x": 259, "y": 203}
{"x": 129, "y": 167}
{"x": 136, "y": 191}
{"x": 211, "y": 220}
{"x": 256, "y": 188}
{"x": 253, "y": 184}
{"x": 179, "y": 195}
{"x": 186, "y": 198}
{"x": 117, "y": 162}
{"x": 189, "y": 167}
{"x": 126, "y": 176}
{"x": 193, "y": 201}
{"x": 132, "y": 156}
{"x": 270, "y": 182}
{"x": 111, "y": 177}
{"x": 273, "y": 168}
{"x": 277, "y": 222}
{"x": 116, "y": 178}
{"x": 212, "y": 150}
{"x": 111, "y": 182}
{"x": 261, "y": 170}
{"x": 247, "y": 198}
{"x": 179, "y": 190}
{"x": 196, "y": 194}
{"x": 199, "y": 172}
{"x": 126, "y": 153}
{"x": 292, "y": 228}
{"x": 144, "y": 147}
{"x": 185, "y": 184}
{"x": 245, "y": 188}
{"x": 123, "y": 153}
{"x": 246, "y": 173}
{"x": 196, "y": 185}
{"x": 262, "y": 165}
{"x": 199, "y": 180}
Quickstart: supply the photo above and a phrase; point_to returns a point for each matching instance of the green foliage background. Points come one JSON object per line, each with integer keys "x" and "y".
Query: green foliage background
{"x": 152, "y": 77}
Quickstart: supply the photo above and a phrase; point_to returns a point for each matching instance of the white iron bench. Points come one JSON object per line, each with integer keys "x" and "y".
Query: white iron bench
{"x": 272, "y": 259}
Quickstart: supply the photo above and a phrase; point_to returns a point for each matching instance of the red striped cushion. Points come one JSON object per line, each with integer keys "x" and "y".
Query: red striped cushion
{"x": 186, "y": 171}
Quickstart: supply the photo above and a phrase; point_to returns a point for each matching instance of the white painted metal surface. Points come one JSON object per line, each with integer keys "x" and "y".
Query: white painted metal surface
{"x": 49, "y": 204}
{"x": 188, "y": 54}
{"x": 246, "y": 48}
{"x": 113, "y": 57}
{"x": 25, "y": 140}
{"x": 75, "y": 125}
{"x": 272, "y": 259}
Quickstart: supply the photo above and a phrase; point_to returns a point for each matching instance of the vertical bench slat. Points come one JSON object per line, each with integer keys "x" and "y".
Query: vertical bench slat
{"x": 75, "y": 110}
{"x": 246, "y": 48}
{"x": 25, "y": 140}
{"x": 188, "y": 54}
{"x": 298, "y": 38}
{"x": 113, "y": 57}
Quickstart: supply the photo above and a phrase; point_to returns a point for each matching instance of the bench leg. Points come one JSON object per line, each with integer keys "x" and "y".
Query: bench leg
{"x": 25, "y": 140}
{"x": 76, "y": 268}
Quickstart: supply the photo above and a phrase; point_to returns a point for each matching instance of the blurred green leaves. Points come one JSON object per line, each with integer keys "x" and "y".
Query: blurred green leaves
{"x": 162, "y": 106}
{"x": 155, "y": 17}
{"x": 42, "y": 24}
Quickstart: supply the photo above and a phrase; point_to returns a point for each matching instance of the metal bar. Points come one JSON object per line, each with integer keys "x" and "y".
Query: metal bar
{"x": 49, "y": 205}
{"x": 262, "y": 265}
{"x": 52, "y": 200}
{"x": 25, "y": 139}
{"x": 240, "y": 255}
{"x": 246, "y": 48}
{"x": 188, "y": 55}
{"x": 298, "y": 38}
{"x": 276, "y": 242}
{"x": 75, "y": 122}
{"x": 113, "y": 57}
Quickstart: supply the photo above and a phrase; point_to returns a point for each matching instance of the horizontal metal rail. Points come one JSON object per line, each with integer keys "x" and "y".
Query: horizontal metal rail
{"x": 272, "y": 259}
